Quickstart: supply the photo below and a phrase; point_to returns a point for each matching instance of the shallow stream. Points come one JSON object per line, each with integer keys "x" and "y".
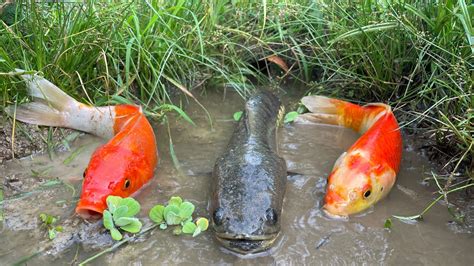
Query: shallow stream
{"x": 39, "y": 184}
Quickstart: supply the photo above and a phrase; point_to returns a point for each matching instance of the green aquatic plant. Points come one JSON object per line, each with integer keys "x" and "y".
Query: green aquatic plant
{"x": 178, "y": 212}
{"x": 388, "y": 224}
{"x": 237, "y": 115}
{"x": 49, "y": 222}
{"x": 290, "y": 117}
{"x": 120, "y": 214}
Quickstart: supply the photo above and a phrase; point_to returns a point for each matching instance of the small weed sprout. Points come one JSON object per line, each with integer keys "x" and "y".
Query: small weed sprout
{"x": 49, "y": 222}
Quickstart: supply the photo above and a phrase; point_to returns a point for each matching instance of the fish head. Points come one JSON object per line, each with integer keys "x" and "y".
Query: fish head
{"x": 112, "y": 170}
{"x": 246, "y": 234}
{"x": 355, "y": 184}
{"x": 246, "y": 211}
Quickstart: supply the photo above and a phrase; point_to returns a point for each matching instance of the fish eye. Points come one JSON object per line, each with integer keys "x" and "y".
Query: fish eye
{"x": 126, "y": 184}
{"x": 367, "y": 193}
{"x": 272, "y": 216}
{"x": 381, "y": 188}
{"x": 84, "y": 173}
{"x": 218, "y": 216}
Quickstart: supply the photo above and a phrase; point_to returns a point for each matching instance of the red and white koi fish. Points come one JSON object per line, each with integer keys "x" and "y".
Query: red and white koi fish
{"x": 367, "y": 171}
{"x": 121, "y": 166}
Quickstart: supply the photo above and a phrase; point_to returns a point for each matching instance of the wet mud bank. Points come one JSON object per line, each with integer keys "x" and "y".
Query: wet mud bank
{"x": 31, "y": 139}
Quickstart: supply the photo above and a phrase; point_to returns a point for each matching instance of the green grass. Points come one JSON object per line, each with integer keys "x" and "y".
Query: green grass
{"x": 416, "y": 55}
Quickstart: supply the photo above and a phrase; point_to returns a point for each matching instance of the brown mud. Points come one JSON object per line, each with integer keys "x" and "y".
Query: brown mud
{"x": 31, "y": 139}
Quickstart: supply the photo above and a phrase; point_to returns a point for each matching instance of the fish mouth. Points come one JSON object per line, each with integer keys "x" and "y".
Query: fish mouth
{"x": 89, "y": 212}
{"x": 335, "y": 211}
{"x": 246, "y": 244}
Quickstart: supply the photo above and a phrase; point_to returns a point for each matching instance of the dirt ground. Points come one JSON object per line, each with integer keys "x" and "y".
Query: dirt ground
{"x": 31, "y": 139}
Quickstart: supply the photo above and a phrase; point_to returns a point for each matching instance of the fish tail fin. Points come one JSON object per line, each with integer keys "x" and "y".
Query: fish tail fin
{"x": 38, "y": 113}
{"x": 337, "y": 112}
{"x": 51, "y": 105}
{"x": 42, "y": 88}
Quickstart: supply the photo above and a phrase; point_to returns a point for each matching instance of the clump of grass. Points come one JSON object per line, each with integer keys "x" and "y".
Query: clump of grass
{"x": 416, "y": 55}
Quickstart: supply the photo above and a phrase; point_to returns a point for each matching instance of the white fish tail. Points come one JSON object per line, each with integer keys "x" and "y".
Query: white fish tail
{"x": 322, "y": 110}
{"x": 337, "y": 112}
{"x": 53, "y": 107}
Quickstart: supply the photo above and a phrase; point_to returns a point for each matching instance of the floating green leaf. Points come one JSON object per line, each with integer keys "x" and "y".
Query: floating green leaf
{"x": 134, "y": 227}
{"x": 113, "y": 202}
{"x": 189, "y": 227}
{"x": 133, "y": 206}
{"x": 186, "y": 210}
{"x": 178, "y": 212}
{"x": 122, "y": 221}
{"x": 237, "y": 115}
{"x": 121, "y": 211}
{"x": 120, "y": 214}
{"x": 116, "y": 235}
{"x": 172, "y": 218}
{"x": 156, "y": 214}
{"x": 107, "y": 220}
{"x": 290, "y": 117}
{"x": 202, "y": 223}
{"x": 176, "y": 201}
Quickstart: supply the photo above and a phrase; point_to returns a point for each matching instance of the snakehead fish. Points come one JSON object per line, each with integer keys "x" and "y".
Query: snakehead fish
{"x": 121, "y": 166}
{"x": 367, "y": 171}
{"x": 249, "y": 179}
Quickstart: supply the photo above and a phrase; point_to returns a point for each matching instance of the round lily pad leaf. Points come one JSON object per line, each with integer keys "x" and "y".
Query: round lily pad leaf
{"x": 113, "y": 202}
{"x": 133, "y": 206}
{"x": 134, "y": 227}
{"x": 189, "y": 228}
{"x": 171, "y": 215}
{"x": 116, "y": 235}
{"x": 157, "y": 214}
{"x": 107, "y": 220}
{"x": 202, "y": 223}
{"x": 186, "y": 210}
{"x": 172, "y": 218}
{"x": 122, "y": 221}
{"x": 176, "y": 201}
{"x": 121, "y": 211}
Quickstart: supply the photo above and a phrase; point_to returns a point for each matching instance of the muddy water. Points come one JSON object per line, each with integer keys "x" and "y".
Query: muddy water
{"x": 307, "y": 235}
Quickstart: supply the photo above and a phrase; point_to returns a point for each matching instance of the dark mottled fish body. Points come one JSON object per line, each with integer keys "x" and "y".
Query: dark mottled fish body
{"x": 249, "y": 180}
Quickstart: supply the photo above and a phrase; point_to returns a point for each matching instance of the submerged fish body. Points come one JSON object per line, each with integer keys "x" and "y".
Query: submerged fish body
{"x": 367, "y": 171}
{"x": 249, "y": 180}
{"x": 121, "y": 166}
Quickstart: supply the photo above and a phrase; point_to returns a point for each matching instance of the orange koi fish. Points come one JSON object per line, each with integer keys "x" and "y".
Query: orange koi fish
{"x": 121, "y": 166}
{"x": 367, "y": 171}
